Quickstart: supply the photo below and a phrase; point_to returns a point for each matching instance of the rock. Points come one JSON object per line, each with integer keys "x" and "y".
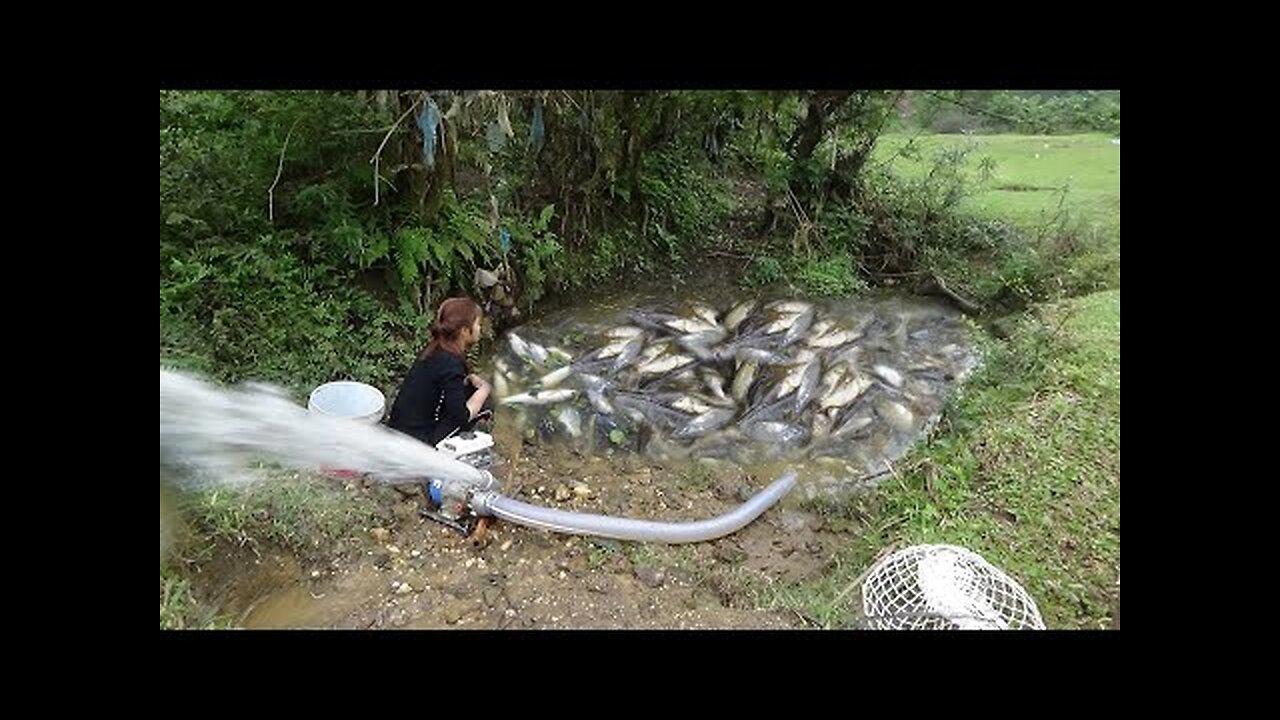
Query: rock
{"x": 505, "y": 546}
{"x": 408, "y": 490}
{"x": 581, "y": 490}
{"x": 792, "y": 521}
{"x": 562, "y": 493}
{"x": 650, "y": 576}
{"x": 315, "y": 574}
{"x": 728, "y": 553}
{"x": 404, "y": 589}
{"x": 743, "y": 493}
{"x": 380, "y": 534}
{"x": 415, "y": 553}
{"x": 381, "y": 558}
{"x": 486, "y": 278}
{"x": 393, "y": 549}
{"x": 491, "y": 596}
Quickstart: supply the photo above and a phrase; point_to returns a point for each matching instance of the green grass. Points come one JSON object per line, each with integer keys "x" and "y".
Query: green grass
{"x": 301, "y": 513}
{"x": 179, "y": 609}
{"x": 1026, "y": 472}
{"x": 1075, "y": 181}
{"x": 1088, "y": 166}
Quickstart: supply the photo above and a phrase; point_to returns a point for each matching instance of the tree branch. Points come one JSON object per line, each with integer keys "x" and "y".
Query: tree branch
{"x": 271, "y": 192}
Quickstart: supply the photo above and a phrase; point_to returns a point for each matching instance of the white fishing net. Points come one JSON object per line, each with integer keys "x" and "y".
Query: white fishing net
{"x": 944, "y": 587}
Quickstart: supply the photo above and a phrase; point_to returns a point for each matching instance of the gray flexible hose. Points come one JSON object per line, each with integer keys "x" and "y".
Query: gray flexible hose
{"x": 575, "y": 523}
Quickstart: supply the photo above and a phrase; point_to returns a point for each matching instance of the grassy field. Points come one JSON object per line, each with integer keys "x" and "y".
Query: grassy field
{"x": 1036, "y": 182}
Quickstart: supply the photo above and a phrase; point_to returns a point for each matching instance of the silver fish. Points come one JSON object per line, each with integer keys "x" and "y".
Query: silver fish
{"x": 539, "y": 353}
{"x": 599, "y": 402}
{"x": 714, "y": 383}
{"x": 519, "y": 347}
{"x": 744, "y": 378}
{"x": 688, "y": 325}
{"x": 763, "y": 357}
{"x": 738, "y": 314}
{"x": 808, "y": 382}
{"x": 799, "y": 327}
{"x": 625, "y": 332}
{"x": 555, "y": 377}
{"x": 663, "y": 364}
{"x": 896, "y": 415}
{"x": 888, "y": 374}
{"x": 569, "y": 418}
{"x": 545, "y": 397}
{"x": 629, "y": 353}
{"x": 845, "y": 391}
{"x": 705, "y": 313}
{"x": 776, "y": 432}
{"x": 712, "y": 419}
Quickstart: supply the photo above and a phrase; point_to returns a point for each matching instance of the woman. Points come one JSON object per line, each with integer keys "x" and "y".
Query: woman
{"x": 441, "y": 395}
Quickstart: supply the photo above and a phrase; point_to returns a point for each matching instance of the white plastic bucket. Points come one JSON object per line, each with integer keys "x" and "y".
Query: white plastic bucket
{"x": 346, "y": 399}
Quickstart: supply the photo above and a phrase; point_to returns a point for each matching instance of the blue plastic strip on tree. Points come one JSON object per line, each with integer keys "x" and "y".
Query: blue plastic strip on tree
{"x": 427, "y": 122}
{"x": 537, "y": 131}
{"x": 504, "y": 238}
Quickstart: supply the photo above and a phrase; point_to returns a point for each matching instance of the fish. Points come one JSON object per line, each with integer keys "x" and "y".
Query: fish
{"x": 666, "y": 363}
{"x": 705, "y": 313}
{"x": 691, "y": 405}
{"x": 776, "y": 432}
{"x": 569, "y": 418}
{"x": 898, "y": 416}
{"x": 539, "y": 353}
{"x": 744, "y": 378}
{"x": 821, "y": 426}
{"x": 599, "y": 401}
{"x": 763, "y": 357}
{"x": 794, "y": 307}
{"x": 738, "y": 314}
{"x": 715, "y": 384}
{"x": 630, "y": 351}
{"x": 612, "y": 349}
{"x": 852, "y": 424}
{"x": 624, "y": 332}
{"x": 845, "y": 390}
{"x": 543, "y": 397}
{"x": 888, "y": 374}
{"x": 554, "y": 377}
{"x": 712, "y": 419}
{"x": 833, "y": 339}
{"x": 642, "y": 408}
{"x": 688, "y": 325}
{"x": 794, "y": 376}
{"x": 808, "y": 382}
{"x": 519, "y": 347}
{"x": 799, "y": 326}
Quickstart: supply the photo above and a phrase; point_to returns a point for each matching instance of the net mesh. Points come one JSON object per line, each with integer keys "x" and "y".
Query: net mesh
{"x": 944, "y": 587}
